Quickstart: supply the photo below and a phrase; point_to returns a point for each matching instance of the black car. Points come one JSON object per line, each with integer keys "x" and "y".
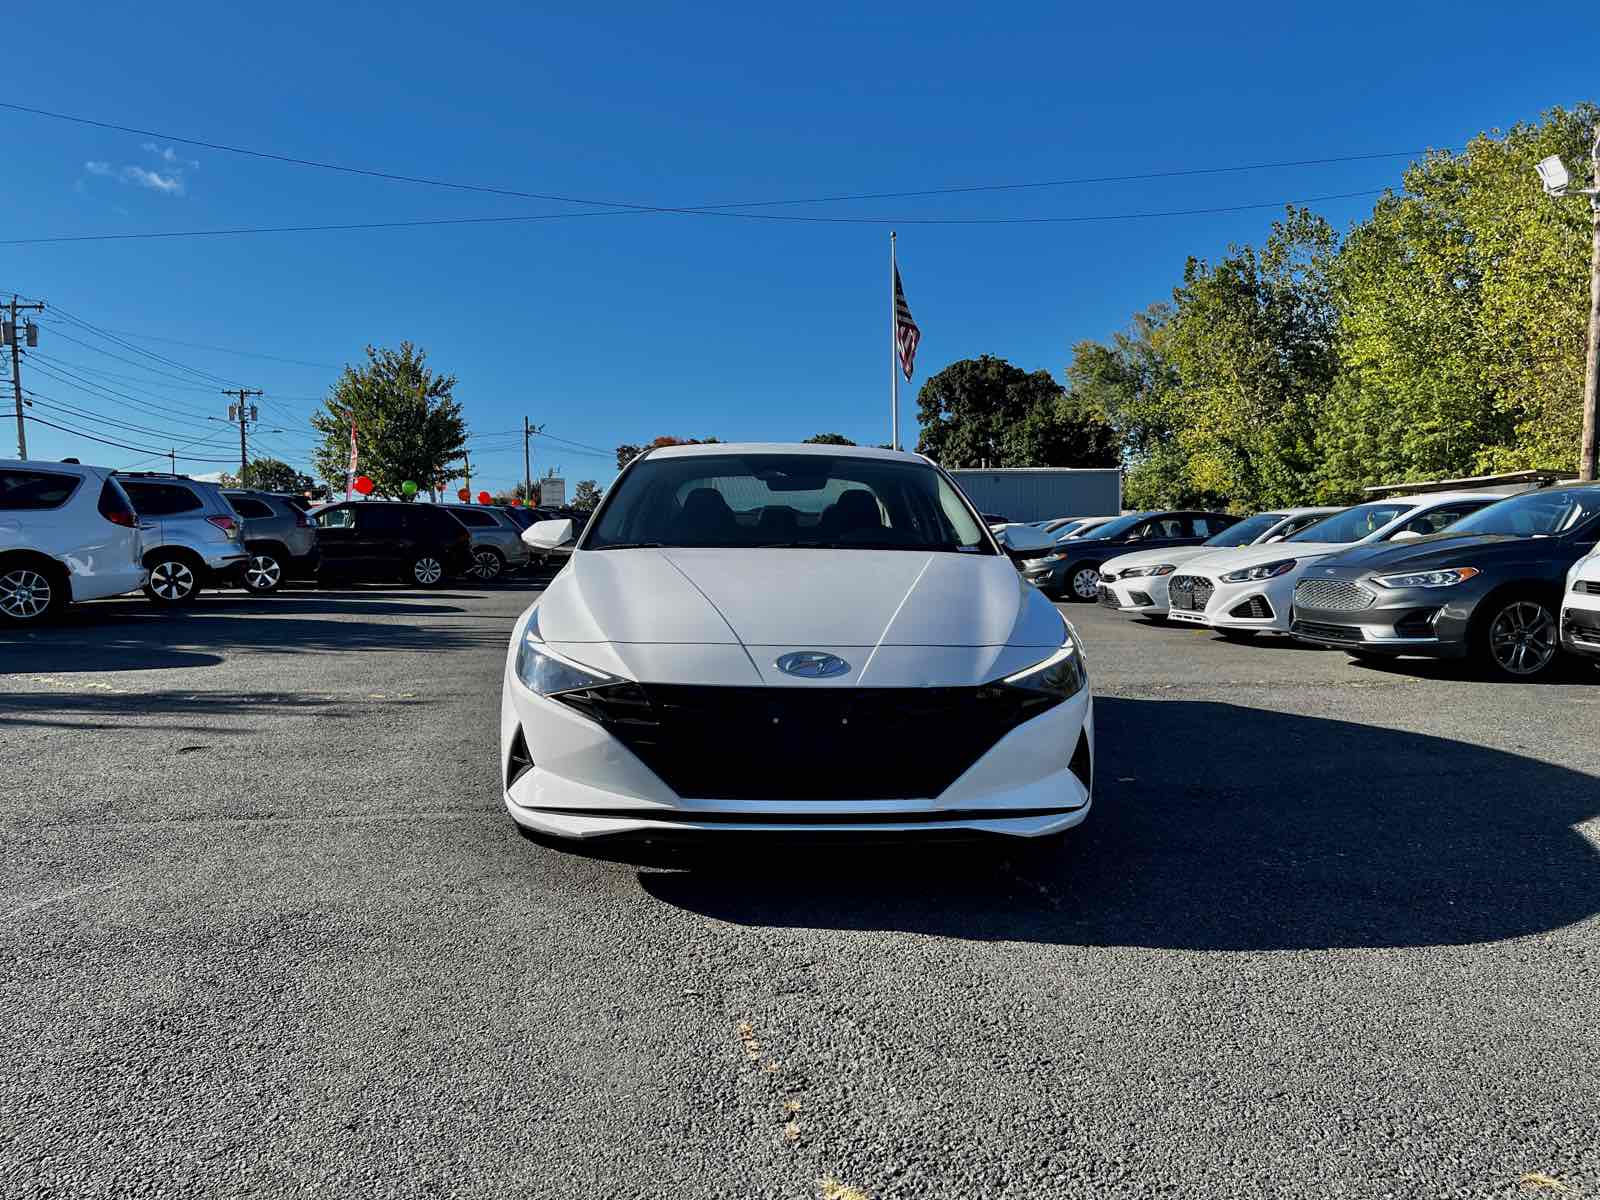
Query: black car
{"x": 1072, "y": 570}
{"x": 377, "y": 541}
{"x": 1488, "y": 587}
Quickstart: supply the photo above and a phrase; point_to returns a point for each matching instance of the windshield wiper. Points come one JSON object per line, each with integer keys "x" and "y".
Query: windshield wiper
{"x": 632, "y": 546}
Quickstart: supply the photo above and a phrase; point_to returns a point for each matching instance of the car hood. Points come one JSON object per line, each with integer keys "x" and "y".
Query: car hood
{"x": 898, "y": 618}
{"x": 1254, "y": 556}
{"x": 1152, "y": 558}
{"x": 1436, "y": 550}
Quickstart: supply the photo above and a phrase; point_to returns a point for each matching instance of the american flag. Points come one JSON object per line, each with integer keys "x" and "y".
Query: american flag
{"x": 906, "y": 333}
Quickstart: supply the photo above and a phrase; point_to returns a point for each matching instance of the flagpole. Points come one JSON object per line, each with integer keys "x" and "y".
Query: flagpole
{"x": 894, "y": 366}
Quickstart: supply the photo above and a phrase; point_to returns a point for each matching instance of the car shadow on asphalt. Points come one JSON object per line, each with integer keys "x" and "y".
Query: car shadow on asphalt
{"x": 1218, "y": 827}
{"x": 131, "y": 635}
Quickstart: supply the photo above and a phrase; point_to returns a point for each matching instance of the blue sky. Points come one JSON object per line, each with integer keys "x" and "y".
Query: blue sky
{"x": 612, "y": 328}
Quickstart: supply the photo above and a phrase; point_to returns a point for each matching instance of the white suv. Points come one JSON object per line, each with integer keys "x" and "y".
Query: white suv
{"x": 67, "y": 532}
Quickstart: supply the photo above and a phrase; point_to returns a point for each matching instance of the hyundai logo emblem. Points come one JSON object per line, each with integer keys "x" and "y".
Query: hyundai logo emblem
{"x": 812, "y": 664}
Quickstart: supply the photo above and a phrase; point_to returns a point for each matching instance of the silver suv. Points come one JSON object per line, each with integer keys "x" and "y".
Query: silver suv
{"x": 497, "y": 545}
{"x": 280, "y": 537}
{"x": 192, "y": 536}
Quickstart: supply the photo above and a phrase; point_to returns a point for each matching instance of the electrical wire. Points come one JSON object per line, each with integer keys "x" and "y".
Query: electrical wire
{"x": 161, "y": 358}
{"x": 55, "y": 404}
{"x": 851, "y": 220}
{"x": 716, "y": 209}
{"x": 118, "y": 445}
{"x": 102, "y": 391}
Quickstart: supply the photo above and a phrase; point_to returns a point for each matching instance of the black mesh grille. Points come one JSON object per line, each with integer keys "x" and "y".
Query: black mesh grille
{"x": 1580, "y": 624}
{"x": 1082, "y": 764}
{"x": 1141, "y": 599}
{"x": 817, "y": 743}
{"x": 1256, "y": 606}
{"x": 519, "y": 762}
{"x": 1589, "y": 587}
{"x": 1108, "y": 598}
{"x": 1332, "y": 633}
{"x": 1189, "y": 593}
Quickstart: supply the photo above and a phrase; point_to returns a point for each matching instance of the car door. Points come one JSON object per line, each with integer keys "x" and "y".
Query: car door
{"x": 1159, "y": 532}
{"x": 337, "y": 538}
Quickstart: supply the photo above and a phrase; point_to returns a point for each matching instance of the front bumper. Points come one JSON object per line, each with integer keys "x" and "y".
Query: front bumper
{"x": 1048, "y": 575}
{"x": 566, "y": 776}
{"x": 1415, "y": 622}
{"x": 1139, "y": 596}
{"x": 1260, "y": 605}
{"x": 1580, "y": 624}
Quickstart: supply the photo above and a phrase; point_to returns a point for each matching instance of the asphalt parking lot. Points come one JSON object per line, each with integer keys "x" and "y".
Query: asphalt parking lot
{"x": 264, "y": 929}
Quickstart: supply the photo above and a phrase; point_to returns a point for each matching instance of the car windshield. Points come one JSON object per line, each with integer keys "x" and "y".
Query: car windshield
{"x": 1353, "y": 524}
{"x": 1245, "y": 532}
{"x": 801, "y": 501}
{"x": 520, "y": 517}
{"x": 1537, "y": 514}
{"x": 1112, "y": 529}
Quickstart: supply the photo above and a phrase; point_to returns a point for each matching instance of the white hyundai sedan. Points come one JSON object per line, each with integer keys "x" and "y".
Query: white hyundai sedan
{"x": 814, "y": 639}
{"x": 1136, "y": 584}
{"x": 1248, "y": 591}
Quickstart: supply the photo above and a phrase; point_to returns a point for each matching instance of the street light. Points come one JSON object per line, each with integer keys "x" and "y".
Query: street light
{"x": 1558, "y": 182}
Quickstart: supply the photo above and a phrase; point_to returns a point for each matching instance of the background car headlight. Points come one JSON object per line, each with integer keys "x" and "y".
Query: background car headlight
{"x": 547, "y": 673}
{"x": 1143, "y": 572}
{"x": 1445, "y": 577}
{"x": 1269, "y": 570}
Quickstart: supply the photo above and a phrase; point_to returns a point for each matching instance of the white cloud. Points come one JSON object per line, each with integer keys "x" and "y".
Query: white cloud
{"x": 95, "y": 167}
{"x": 171, "y": 185}
{"x": 169, "y": 180}
{"x": 169, "y": 156}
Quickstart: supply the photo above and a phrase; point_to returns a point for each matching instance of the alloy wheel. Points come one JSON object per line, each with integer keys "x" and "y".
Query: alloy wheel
{"x": 486, "y": 565}
{"x": 24, "y": 594}
{"x": 427, "y": 570}
{"x": 1522, "y": 638}
{"x": 263, "y": 574}
{"x": 171, "y": 580}
{"x": 1086, "y": 583}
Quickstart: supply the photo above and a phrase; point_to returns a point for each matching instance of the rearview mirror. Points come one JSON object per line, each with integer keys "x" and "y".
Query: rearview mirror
{"x": 547, "y": 535}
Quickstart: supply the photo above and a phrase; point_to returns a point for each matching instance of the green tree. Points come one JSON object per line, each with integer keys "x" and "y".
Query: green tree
{"x": 409, "y": 423}
{"x": 587, "y": 495}
{"x": 628, "y": 451}
{"x": 271, "y": 475}
{"x": 828, "y": 439}
{"x": 986, "y": 412}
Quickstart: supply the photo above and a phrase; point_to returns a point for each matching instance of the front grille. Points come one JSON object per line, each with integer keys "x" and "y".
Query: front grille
{"x": 1189, "y": 593}
{"x": 1256, "y": 607}
{"x": 519, "y": 762}
{"x": 808, "y": 743}
{"x": 1108, "y": 598}
{"x": 1140, "y": 599}
{"x": 1325, "y": 632}
{"x": 1584, "y": 626}
{"x": 1332, "y": 595}
{"x": 1589, "y": 587}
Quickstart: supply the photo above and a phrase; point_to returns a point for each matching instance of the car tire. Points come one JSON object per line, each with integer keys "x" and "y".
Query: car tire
{"x": 487, "y": 565}
{"x": 174, "y": 579}
{"x": 1517, "y": 638}
{"x": 263, "y": 574}
{"x": 1083, "y": 583}
{"x": 427, "y": 570}
{"x": 31, "y": 592}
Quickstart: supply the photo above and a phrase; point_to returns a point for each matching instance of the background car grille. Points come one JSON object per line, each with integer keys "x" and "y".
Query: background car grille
{"x": 816, "y": 743}
{"x": 1588, "y": 586}
{"x": 1108, "y": 597}
{"x": 1140, "y": 599}
{"x": 1189, "y": 592}
{"x": 1331, "y": 633}
{"x": 1582, "y": 625}
{"x": 1332, "y": 595}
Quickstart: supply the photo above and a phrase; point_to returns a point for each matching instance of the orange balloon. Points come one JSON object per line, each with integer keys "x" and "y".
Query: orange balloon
{"x": 463, "y": 495}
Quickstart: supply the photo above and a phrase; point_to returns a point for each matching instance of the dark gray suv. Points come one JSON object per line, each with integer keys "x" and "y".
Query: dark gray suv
{"x": 280, "y": 537}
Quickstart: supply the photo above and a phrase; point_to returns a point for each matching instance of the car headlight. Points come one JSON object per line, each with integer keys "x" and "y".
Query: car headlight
{"x": 1144, "y": 572}
{"x": 1445, "y": 577}
{"x": 1269, "y": 570}
{"x": 1058, "y": 677}
{"x": 547, "y": 673}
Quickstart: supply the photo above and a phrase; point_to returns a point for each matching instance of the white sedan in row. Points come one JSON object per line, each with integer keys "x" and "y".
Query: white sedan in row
{"x": 1580, "y": 608}
{"x": 1136, "y": 584}
{"x": 1251, "y": 590}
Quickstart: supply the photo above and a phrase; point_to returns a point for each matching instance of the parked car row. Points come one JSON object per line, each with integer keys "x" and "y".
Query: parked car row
{"x": 74, "y": 532}
{"x": 1508, "y": 581}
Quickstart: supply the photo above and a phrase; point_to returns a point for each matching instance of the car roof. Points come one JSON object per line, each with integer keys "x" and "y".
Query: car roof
{"x": 701, "y": 448}
{"x": 40, "y": 464}
{"x": 1440, "y": 497}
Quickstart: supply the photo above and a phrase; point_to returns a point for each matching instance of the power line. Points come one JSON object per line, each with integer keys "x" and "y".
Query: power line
{"x": 118, "y": 445}
{"x": 105, "y": 392}
{"x": 782, "y": 217}
{"x": 297, "y": 362}
{"x": 716, "y": 209}
{"x": 122, "y": 358}
{"x": 125, "y": 380}
{"x": 161, "y": 358}
{"x": 53, "y": 403}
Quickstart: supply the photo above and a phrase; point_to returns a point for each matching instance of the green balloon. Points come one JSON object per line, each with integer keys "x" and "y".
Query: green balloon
{"x": 409, "y": 488}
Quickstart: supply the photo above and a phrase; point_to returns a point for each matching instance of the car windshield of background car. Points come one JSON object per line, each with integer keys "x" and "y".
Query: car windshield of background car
{"x": 1537, "y": 514}
{"x": 802, "y": 501}
{"x": 1245, "y": 532}
{"x": 1353, "y": 524}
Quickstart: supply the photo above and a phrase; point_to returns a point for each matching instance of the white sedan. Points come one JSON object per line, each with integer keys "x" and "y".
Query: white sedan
{"x": 1580, "y": 608}
{"x": 813, "y": 639}
{"x": 1248, "y": 591}
{"x": 1136, "y": 584}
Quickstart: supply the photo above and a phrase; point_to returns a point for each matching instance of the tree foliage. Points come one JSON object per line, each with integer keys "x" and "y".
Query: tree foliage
{"x": 827, "y": 439}
{"x": 271, "y": 475}
{"x": 587, "y": 495}
{"x": 409, "y": 423}
{"x": 628, "y": 451}
{"x": 986, "y": 412}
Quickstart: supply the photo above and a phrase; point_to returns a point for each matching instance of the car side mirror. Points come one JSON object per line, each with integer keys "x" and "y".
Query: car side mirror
{"x": 1405, "y": 535}
{"x": 547, "y": 535}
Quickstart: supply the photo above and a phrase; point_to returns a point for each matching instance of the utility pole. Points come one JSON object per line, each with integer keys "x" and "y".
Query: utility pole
{"x": 528, "y": 430}
{"x": 466, "y": 460}
{"x": 173, "y": 456}
{"x": 32, "y": 334}
{"x": 242, "y": 413}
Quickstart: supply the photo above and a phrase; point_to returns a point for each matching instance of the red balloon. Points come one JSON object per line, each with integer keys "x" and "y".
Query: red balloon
{"x": 515, "y": 503}
{"x": 484, "y": 497}
{"x": 364, "y": 485}
{"x": 463, "y": 494}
